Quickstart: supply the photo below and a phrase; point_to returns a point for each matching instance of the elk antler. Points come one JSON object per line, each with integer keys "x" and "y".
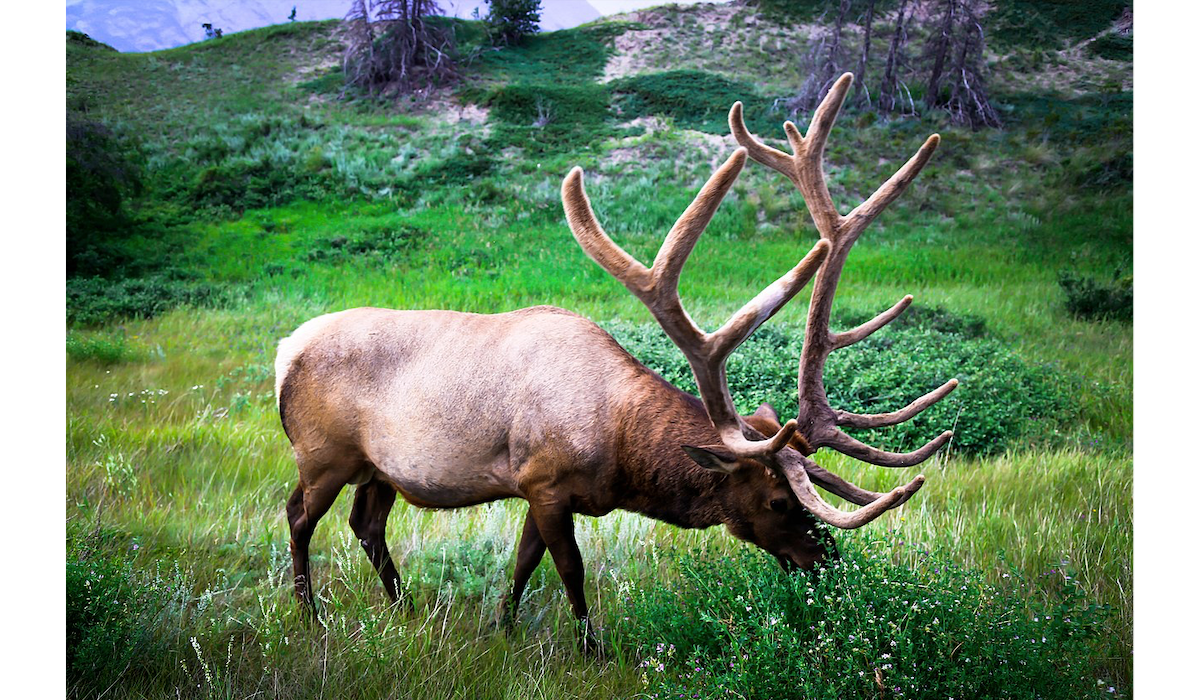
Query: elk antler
{"x": 816, "y": 420}
{"x": 658, "y": 288}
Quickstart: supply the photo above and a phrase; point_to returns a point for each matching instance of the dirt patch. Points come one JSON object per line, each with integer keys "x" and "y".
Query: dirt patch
{"x": 698, "y": 145}
{"x": 312, "y": 64}
{"x": 729, "y": 40}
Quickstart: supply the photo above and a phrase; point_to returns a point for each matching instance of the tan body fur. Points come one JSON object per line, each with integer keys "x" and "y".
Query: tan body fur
{"x": 452, "y": 409}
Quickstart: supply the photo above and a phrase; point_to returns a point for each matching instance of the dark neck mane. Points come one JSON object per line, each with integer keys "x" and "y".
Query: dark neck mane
{"x": 661, "y": 481}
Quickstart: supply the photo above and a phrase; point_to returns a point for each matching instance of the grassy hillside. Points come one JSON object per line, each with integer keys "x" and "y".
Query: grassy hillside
{"x": 254, "y": 195}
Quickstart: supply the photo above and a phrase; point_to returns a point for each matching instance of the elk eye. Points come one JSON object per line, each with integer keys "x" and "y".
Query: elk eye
{"x": 779, "y": 505}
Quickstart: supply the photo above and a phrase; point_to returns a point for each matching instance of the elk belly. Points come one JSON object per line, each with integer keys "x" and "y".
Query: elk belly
{"x": 433, "y": 480}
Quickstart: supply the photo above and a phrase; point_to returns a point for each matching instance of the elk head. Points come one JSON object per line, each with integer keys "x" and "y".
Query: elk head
{"x": 770, "y": 474}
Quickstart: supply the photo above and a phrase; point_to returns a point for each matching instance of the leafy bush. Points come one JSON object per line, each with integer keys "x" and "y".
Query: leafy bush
{"x": 104, "y": 172}
{"x": 379, "y": 241}
{"x": 566, "y": 57}
{"x": 112, "y": 613}
{"x": 81, "y": 39}
{"x": 694, "y": 99}
{"x": 784, "y": 11}
{"x": 95, "y": 300}
{"x": 105, "y": 349}
{"x": 513, "y": 20}
{"x": 1113, "y": 46}
{"x": 1091, "y": 299}
{"x": 550, "y": 117}
{"x": 1002, "y": 399}
{"x": 1046, "y": 24}
{"x": 737, "y": 626}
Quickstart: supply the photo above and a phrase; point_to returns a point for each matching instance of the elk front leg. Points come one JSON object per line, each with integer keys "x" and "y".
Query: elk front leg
{"x": 368, "y": 518}
{"x": 557, "y": 529}
{"x": 529, "y": 554}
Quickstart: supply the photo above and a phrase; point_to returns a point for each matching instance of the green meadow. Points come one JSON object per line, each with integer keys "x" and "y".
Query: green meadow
{"x": 266, "y": 196}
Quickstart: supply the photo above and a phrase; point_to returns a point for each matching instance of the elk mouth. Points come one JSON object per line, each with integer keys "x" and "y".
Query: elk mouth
{"x": 822, "y": 552}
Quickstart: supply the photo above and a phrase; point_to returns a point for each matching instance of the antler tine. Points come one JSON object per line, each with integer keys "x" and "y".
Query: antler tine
{"x": 658, "y": 288}
{"x": 879, "y": 420}
{"x": 841, "y": 340}
{"x": 824, "y": 117}
{"x": 859, "y": 450}
{"x": 595, "y": 242}
{"x": 798, "y": 478}
{"x": 887, "y": 193}
{"x": 681, "y": 239}
{"x": 762, "y": 307}
{"x": 759, "y": 151}
{"x": 840, "y": 487}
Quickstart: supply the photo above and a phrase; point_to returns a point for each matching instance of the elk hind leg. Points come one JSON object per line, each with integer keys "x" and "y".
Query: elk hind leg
{"x": 308, "y": 503}
{"x": 368, "y": 518}
{"x": 529, "y": 554}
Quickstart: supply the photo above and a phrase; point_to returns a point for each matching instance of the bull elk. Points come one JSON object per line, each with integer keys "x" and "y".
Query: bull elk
{"x": 454, "y": 409}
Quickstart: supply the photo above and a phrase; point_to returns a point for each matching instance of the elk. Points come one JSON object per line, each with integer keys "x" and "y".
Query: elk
{"x": 455, "y": 409}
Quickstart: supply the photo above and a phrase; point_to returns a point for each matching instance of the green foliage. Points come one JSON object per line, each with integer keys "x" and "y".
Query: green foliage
{"x": 1046, "y": 24}
{"x": 1092, "y": 299}
{"x": 549, "y": 118}
{"x": 1001, "y": 402}
{"x": 694, "y": 99}
{"x": 737, "y": 626}
{"x": 114, "y": 615}
{"x": 784, "y": 11}
{"x": 383, "y": 242}
{"x": 102, "y": 348}
{"x": 95, "y": 300}
{"x": 513, "y": 20}
{"x": 80, "y": 39}
{"x": 1113, "y": 46}
{"x": 104, "y": 172}
{"x": 566, "y": 57}
{"x": 1089, "y": 119}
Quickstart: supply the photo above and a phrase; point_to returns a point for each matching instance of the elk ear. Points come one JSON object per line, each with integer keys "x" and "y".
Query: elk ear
{"x": 768, "y": 412}
{"x": 713, "y": 461}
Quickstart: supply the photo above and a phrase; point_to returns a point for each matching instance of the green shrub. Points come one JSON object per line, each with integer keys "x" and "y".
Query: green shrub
{"x": 104, "y": 173}
{"x": 95, "y": 300}
{"x": 1113, "y": 46}
{"x": 566, "y": 57}
{"x": 694, "y": 99}
{"x": 1099, "y": 170}
{"x": 380, "y": 241}
{"x": 459, "y": 169}
{"x": 549, "y": 118}
{"x": 102, "y": 348}
{"x": 113, "y": 611}
{"x": 528, "y": 104}
{"x": 1001, "y": 402}
{"x": 81, "y": 39}
{"x": 1091, "y": 299}
{"x": 738, "y": 626}
{"x": 511, "y": 21}
{"x": 1047, "y": 24}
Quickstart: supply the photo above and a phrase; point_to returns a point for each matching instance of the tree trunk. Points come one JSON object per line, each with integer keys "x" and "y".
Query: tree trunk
{"x": 941, "y": 45}
{"x": 861, "y": 93}
{"x": 887, "y": 89}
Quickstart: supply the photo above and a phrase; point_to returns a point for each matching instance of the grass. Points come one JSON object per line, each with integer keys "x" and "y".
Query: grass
{"x": 177, "y": 468}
